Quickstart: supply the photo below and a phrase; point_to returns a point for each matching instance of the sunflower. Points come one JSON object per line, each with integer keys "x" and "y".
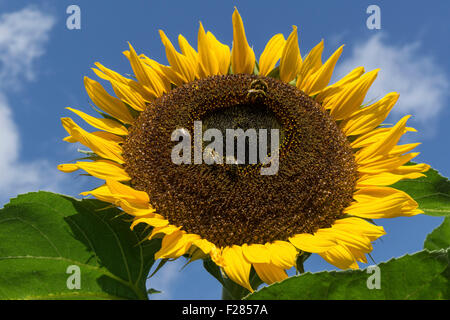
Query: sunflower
{"x": 336, "y": 159}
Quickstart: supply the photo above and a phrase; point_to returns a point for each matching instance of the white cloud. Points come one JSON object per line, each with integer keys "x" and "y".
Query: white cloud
{"x": 423, "y": 87}
{"x": 16, "y": 176}
{"x": 23, "y": 35}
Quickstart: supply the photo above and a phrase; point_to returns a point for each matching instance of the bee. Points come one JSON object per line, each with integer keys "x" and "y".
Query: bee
{"x": 257, "y": 90}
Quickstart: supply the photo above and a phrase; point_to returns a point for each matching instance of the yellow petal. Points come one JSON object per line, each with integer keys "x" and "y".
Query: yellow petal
{"x": 138, "y": 209}
{"x": 187, "y": 49}
{"x": 242, "y": 56}
{"x": 269, "y": 273}
{"x": 104, "y": 169}
{"x": 282, "y": 254}
{"x": 114, "y": 77}
{"x": 129, "y": 95}
{"x": 360, "y": 227}
{"x": 344, "y": 103}
{"x": 420, "y": 167}
{"x": 158, "y": 231}
{"x": 369, "y": 117}
{"x": 236, "y": 266}
{"x": 370, "y": 138}
{"x": 181, "y": 64}
{"x": 129, "y": 201}
{"x": 221, "y": 51}
{"x": 384, "y": 145}
{"x": 291, "y": 60}
{"x": 154, "y": 222}
{"x": 101, "y": 193}
{"x": 339, "y": 85}
{"x": 401, "y": 149}
{"x": 271, "y": 54}
{"x": 374, "y": 136}
{"x": 319, "y": 80}
{"x": 108, "y": 74}
{"x": 350, "y": 77}
{"x": 208, "y": 64}
{"x": 175, "y": 245}
{"x": 204, "y": 245}
{"x": 146, "y": 75}
{"x": 127, "y": 192}
{"x": 108, "y": 136}
{"x": 349, "y": 239}
{"x": 70, "y": 139}
{"x": 102, "y": 147}
{"x": 68, "y": 167}
{"x": 382, "y": 202}
{"x": 106, "y": 102}
{"x": 108, "y": 125}
{"x": 256, "y": 253}
{"x": 385, "y": 178}
{"x": 216, "y": 256}
{"x": 340, "y": 257}
{"x": 167, "y": 74}
{"x": 386, "y": 163}
{"x": 359, "y": 256}
{"x": 311, "y": 64}
{"x": 156, "y": 67}
{"x": 312, "y": 243}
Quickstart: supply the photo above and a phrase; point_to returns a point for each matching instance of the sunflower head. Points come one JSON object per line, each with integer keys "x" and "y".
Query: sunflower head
{"x": 334, "y": 163}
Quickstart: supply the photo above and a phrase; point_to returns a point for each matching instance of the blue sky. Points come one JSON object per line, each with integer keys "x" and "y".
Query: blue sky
{"x": 42, "y": 65}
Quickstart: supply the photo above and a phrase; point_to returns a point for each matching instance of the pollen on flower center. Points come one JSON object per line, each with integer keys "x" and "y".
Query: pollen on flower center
{"x": 232, "y": 206}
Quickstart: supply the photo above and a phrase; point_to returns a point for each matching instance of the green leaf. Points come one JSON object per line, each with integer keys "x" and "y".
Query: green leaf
{"x": 275, "y": 73}
{"x": 42, "y": 234}
{"x": 431, "y": 192}
{"x": 153, "y": 291}
{"x": 256, "y": 68}
{"x": 424, "y": 275}
{"x": 214, "y": 270}
{"x": 439, "y": 238}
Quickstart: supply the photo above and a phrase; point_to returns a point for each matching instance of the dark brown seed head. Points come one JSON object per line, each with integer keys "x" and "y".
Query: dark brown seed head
{"x": 232, "y": 205}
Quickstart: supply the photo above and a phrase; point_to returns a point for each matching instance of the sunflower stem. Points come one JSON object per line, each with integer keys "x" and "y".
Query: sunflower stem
{"x": 300, "y": 268}
{"x": 302, "y": 257}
